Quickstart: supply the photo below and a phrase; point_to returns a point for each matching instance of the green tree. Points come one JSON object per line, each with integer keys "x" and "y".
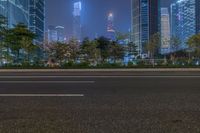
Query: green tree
{"x": 132, "y": 49}
{"x": 153, "y": 45}
{"x": 28, "y": 46}
{"x": 89, "y": 50}
{"x": 74, "y": 49}
{"x": 116, "y": 51}
{"x": 103, "y": 46}
{"x": 121, "y": 36}
{"x": 58, "y": 51}
{"x": 175, "y": 42}
{"x": 3, "y": 32}
{"x": 18, "y": 38}
{"x": 194, "y": 45}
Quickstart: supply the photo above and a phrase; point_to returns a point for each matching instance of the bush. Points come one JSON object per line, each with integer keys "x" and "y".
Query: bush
{"x": 72, "y": 65}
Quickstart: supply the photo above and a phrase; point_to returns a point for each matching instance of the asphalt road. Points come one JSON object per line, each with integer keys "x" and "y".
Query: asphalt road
{"x": 100, "y": 102}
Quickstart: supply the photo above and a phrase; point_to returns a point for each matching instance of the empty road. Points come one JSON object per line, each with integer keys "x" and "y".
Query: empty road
{"x": 100, "y": 102}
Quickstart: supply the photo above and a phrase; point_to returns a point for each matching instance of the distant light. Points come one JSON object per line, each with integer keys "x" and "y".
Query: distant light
{"x": 110, "y": 15}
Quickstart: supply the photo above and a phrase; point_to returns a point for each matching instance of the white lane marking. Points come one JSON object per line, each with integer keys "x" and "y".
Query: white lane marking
{"x": 41, "y": 95}
{"x": 50, "y": 82}
{"x": 136, "y": 76}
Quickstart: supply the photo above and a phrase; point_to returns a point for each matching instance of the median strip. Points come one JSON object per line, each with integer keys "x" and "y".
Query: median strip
{"x": 41, "y": 95}
{"x": 49, "y": 82}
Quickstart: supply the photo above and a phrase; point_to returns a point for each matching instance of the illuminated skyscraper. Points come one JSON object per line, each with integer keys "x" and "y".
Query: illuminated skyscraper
{"x": 60, "y": 33}
{"x": 56, "y": 34}
{"x": 15, "y": 11}
{"x": 165, "y": 31}
{"x": 77, "y": 20}
{"x": 52, "y": 34}
{"x": 37, "y": 19}
{"x": 185, "y": 18}
{"x": 145, "y": 22}
{"x": 110, "y": 27}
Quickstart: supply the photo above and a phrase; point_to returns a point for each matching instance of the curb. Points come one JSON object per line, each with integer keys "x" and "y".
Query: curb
{"x": 104, "y": 70}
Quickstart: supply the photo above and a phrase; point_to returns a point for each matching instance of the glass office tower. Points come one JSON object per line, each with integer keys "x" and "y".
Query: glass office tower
{"x": 145, "y": 22}
{"x": 37, "y": 19}
{"x": 165, "y": 30}
{"x": 77, "y": 20}
{"x": 15, "y": 11}
{"x": 197, "y": 12}
{"x": 184, "y": 17}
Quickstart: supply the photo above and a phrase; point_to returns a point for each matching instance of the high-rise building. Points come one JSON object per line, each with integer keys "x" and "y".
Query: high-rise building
{"x": 37, "y": 19}
{"x": 60, "y": 33}
{"x": 197, "y": 12}
{"x": 145, "y": 22}
{"x": 165, "y": 31}
{"x": 77, "y": 20}
{"x": 15, "y": 11}
{"x": 55, "y": 34}
{"x": 110, "y": 27}
{"x": 52, "y": 34}
{"x": 185, "y": 18}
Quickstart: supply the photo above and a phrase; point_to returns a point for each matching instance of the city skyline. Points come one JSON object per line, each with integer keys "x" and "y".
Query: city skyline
{"x": 94, "y": 21}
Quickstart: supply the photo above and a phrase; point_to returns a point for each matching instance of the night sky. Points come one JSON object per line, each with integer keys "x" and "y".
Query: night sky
{"x": 59, "y": 12}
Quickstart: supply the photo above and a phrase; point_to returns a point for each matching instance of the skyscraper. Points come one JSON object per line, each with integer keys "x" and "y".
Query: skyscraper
{"x": 165, "y": 31}
{"x": 60, "y": 33}
{"x": 185, "y": 17}
{"x": 77, "y": 20}
{"x": 37, "y": 19}
{"x": 197, "y": 12}
{"x": 145, "y": 22}
{"x": 52, "y": 34}
{"x": 56, "y": 34}
{"x": 15, "y": 11}
{"x": 110, "y": 27}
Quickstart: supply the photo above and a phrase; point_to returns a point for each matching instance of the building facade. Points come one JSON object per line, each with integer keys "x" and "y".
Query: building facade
{"x": 165, "y": 31}
{"x": 52, "y": 34}
{"x": 77, "y": 8}
{"x": 185, "y": 18}
{"x": 197, "y": 14}
{"x": 29, "y": 12}
{"x": 145, "y": 22}
{"x": 37, "y": 19}
{"x": 15, "y": 11}
{"x": 55, "y": 34}
{"x": 60, "y": 33}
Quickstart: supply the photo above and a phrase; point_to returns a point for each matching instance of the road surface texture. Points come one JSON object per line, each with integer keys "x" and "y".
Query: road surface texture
{"x": 100, "y": 102}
